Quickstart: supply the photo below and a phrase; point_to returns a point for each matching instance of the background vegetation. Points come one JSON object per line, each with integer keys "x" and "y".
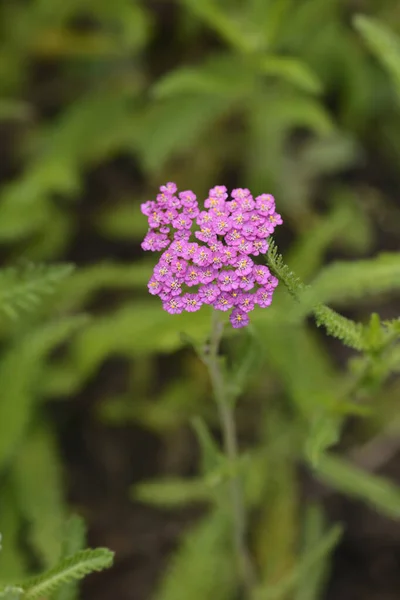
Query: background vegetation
{"x": 105, "y": 409}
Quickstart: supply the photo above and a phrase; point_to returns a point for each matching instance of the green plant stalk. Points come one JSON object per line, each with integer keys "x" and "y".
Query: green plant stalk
{"x": 228, "y": 426}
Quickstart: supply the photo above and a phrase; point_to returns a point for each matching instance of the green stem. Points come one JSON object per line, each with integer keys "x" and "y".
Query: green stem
{"x": 227, "y": 420}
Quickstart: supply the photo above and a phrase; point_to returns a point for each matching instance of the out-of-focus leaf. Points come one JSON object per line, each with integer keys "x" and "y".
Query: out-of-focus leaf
{"x": 233, "y": 29}
{"x": 87, "y": 281}
{"x": 14, "y": 109}
{"x": 38, "y": 484}
{"x": 343, "y": 282}
{"x": 91, "y": 128}
{"x": 225, "y": 74}
{"x": 276, "y": 530}
{"x": 376, "y": 491}
{"x": 291, "y": 70}
{"x": 269, "y": 18}
{"x": 211, "y": 457}
{"x": 178, "y": 403}
{"x": 307, "y": 252}
{"x": 122, "y": 221}
{"x": 74, "y": 541}
{"x": 11, "y": 593}
{"x": 171, "y": 492}
{"x": 305, "y": 369}
{"x": 329, "y": 154}
{"x": 23, "y": 288}
{"x": 12, "y": 560}
{"x": 25, "y": 358}
{"x": 310, "y": 586}
{"x": 272, "y": 117}
{"x": 202, "y": 566}
{"x": 172, "y": 126}
{"x": 384, "y": 44}
{"x": 324, "y": 432}
{"x": 135, "y": 329}
{"x": 307, "y": 563}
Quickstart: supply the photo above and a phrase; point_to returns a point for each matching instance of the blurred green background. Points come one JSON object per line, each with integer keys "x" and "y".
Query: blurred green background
{"x": 101, "y": 103}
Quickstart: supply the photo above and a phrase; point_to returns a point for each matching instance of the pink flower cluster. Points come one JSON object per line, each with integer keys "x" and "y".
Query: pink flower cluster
{"x": 217, "y": 269}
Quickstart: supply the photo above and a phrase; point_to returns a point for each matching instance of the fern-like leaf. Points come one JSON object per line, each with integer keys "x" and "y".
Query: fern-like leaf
{"x": 74, "y": 541}
{"x": 275, "y": 260}
{"x": 23, "y": 287}
{"x": 71, "y": 569}
{"x": 11, "y": 593}
{"x": 349, "y": 332}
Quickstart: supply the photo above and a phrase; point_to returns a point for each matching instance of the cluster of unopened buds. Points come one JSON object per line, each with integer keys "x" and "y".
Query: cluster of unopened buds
{"x": 211, "y": 264}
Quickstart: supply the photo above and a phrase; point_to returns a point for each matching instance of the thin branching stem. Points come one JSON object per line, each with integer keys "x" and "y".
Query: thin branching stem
{"x": 228, "y": 426}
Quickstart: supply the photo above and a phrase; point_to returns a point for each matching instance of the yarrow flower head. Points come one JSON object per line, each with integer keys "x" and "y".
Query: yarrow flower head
{"x": 208, "y": 252}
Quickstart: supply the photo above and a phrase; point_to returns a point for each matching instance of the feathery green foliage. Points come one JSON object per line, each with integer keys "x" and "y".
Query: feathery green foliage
{"x": 70, "y": 569}
{"x": 102, "y": 102}
{"x": 336, "y": 325}
{"x": 22, "y": 288}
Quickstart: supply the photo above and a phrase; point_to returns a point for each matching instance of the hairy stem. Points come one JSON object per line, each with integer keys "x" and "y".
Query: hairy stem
{"x": 227, "y": 421}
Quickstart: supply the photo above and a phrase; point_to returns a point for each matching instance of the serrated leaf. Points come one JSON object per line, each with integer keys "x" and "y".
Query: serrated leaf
{"x": 345, "y": 330}
{"x": 73, "y": 568}
{"x": 349, "y": 332}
